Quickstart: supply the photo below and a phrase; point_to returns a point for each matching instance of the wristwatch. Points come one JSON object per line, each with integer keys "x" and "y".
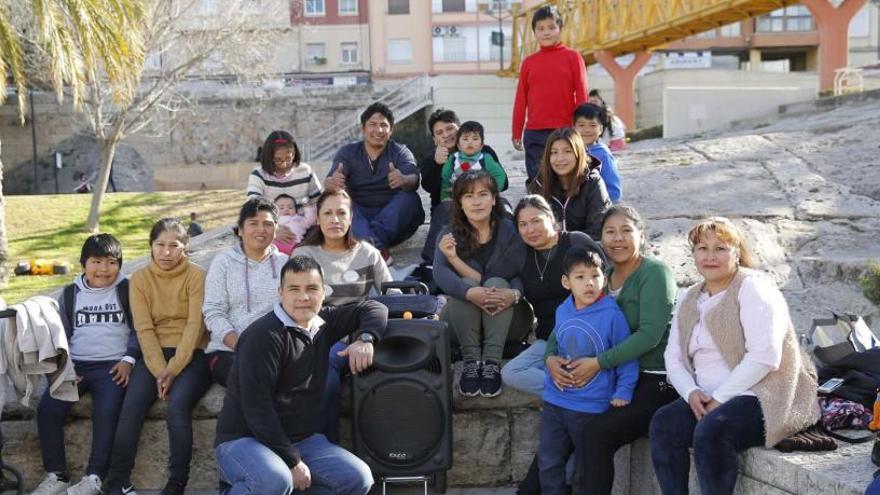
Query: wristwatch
{"x": 366, "y": 338}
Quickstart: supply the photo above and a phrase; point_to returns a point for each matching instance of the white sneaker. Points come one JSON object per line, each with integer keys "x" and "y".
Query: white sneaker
{"x": 51, "y": 485}
{"x": 88, "y": 485}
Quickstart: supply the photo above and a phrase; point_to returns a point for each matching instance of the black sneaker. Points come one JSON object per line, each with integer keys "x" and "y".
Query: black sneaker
{"x": 490, "y": 382}
{"x": 469, "y": 385}
{"x": 129, "y": 490}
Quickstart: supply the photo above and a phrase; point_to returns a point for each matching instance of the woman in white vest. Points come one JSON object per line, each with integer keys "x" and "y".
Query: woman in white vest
{"x": 734, "y": 359}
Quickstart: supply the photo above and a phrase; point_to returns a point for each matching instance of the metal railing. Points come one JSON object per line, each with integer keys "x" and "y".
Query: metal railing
{"x": 404, "y": 100}
{"x": 628, "y": 26}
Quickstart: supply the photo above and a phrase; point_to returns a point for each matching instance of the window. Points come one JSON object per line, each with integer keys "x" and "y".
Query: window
{"x": 316, "y": 54}
{"x": 453, "y": 5}
{"x": 731, "y": 30}
{"x": 314, "y": 8}
{"x": 793, "y": 18}
{"x": 348, "y": 53}
{"x": 348, "y": 7}
{"x": 398, "y": 7}
{"x": 399, "y": 51}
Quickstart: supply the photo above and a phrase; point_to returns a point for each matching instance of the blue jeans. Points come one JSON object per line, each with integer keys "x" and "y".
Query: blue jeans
{"x": 106, "y": 403}
{"x": 391, "y": 224}
{"x": 331, "y": 401}
{"x": 717, "y": 439}
{"x": 534, "y": 142}
{"x": 248, "y": 466}
{"x": 526, "y": 371}
{"x": 186, "y": 391}
{"x": 561, "y": 429}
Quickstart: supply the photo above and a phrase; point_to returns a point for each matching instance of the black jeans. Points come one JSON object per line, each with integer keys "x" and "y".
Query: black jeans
{"x": 617, "y": 427}
{"x": 534, "y": 142}
{"x": 107, "y": 399}
{"x": 220, "y": 363}
{"x": 186, "y": 391}
{"x": 717, "y": 439}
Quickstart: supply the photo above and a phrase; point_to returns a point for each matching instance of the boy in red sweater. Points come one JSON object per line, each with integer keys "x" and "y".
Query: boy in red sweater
{"x": 552, "y": 83}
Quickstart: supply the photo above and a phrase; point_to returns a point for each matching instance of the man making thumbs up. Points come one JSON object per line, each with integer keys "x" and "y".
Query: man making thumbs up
{"x": 382, "y": 178}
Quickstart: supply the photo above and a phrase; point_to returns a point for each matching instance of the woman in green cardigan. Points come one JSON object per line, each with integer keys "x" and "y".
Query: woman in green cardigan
{"x": 645, "y": 289}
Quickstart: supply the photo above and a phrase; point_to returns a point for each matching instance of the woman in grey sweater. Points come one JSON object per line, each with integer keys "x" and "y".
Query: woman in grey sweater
{"x": 242, "y": 283}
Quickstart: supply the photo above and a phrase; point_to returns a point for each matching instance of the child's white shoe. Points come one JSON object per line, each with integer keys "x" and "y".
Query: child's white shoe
{"x": 88, "y": 485}
{"x": 51, "y": 485}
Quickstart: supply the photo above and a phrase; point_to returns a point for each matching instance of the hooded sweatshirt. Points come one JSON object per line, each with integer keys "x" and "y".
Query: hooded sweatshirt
{"x": 238, "y": 290}
{"x": 589, "y": 332}
{"x": 99, "y": 330}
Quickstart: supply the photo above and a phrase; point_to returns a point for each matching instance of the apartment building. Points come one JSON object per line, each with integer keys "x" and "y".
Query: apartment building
{"x": 785, "y": 40}
{"x": 333, "y": 36}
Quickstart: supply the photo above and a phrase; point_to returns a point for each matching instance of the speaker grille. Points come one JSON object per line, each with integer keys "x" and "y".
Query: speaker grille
{"x": 401, "y": 422}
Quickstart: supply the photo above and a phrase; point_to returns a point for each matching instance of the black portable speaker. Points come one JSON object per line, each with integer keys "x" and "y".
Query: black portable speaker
{"x": 402, "y": 405}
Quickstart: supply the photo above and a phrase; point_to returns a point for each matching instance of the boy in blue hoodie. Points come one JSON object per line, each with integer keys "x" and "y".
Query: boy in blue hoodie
{"x": 97, "y": 320}
{"x": 587, "y": 324}
{"x": 589, "y": 121}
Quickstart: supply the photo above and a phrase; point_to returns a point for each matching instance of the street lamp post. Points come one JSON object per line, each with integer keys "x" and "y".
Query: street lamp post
{"x": 497, "y": 11}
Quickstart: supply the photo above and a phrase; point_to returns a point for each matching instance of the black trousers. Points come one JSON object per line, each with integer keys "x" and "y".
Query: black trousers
{"x": 617, "y": 427}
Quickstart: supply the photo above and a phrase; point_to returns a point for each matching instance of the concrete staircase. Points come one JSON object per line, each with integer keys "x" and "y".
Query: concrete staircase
{"x": 404, "y": 100}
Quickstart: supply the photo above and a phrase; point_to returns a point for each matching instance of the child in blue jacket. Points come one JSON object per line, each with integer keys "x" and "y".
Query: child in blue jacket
{"x": 587, "y": 324}
{"x": 589, "y": 122}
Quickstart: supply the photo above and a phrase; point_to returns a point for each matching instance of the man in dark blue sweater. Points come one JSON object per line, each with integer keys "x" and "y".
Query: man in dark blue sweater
{"x": 267, "y": 432}
{"x": 382, "y": 178}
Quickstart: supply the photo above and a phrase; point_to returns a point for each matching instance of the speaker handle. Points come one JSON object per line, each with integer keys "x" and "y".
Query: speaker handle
{"x": 405, "y": 286}
{"x": 402, "y": 353}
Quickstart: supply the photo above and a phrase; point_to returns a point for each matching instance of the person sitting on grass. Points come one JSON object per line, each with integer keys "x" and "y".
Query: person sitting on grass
{"x": 97, "y": 320}
{"x": 588, "y": 323}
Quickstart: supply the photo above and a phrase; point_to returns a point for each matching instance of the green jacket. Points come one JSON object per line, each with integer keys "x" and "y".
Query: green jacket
{"x": 646, "y": 299}
{"x": 488, "y": 164}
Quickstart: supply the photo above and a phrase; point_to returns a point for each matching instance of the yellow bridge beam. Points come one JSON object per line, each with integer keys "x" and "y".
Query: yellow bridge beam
{"x": 628, "y": 26}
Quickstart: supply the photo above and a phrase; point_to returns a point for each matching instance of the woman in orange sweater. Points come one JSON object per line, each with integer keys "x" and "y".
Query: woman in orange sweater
{"x": 166, "y": 304}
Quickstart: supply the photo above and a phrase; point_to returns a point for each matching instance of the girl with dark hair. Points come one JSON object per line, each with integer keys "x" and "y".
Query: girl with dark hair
{"x": 166, "y": 304}
{"x": 575, "y": 191}
{"x": 242, "y": 283}
{"x": 475, "y": 265}
{"x": 281, "y": 171}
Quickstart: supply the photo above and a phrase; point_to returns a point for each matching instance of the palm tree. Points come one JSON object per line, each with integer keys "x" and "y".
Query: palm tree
{"x": 73, "y": 41}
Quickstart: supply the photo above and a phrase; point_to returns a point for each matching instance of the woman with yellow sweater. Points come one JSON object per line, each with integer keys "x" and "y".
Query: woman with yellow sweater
{"x": 166, "y": 304}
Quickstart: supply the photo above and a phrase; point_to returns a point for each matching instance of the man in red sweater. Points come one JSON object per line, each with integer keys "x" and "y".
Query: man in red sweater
{"x": 552, "y": 83}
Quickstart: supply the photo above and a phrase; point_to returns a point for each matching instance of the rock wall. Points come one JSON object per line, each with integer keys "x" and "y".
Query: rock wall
{"x": 220, "y": 125}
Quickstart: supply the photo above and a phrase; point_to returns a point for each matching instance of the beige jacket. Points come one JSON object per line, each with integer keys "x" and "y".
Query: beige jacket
{"x": 788, "y": 394}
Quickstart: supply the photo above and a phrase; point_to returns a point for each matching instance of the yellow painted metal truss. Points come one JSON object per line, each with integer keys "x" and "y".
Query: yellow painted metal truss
{"x": 627, "y": 26}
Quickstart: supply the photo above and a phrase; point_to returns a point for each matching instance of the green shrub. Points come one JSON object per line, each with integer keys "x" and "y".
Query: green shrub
{"x": 870, "y": 282}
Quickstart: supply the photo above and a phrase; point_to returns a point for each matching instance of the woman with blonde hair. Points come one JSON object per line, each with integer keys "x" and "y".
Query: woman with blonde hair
{"x": 573, "y": 187}
{"x": 734, "y": 359}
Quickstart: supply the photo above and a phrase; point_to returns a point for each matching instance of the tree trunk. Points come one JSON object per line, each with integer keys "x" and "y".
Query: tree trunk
{"x": 4, "y": 247}
{"x": 108, "y": 149}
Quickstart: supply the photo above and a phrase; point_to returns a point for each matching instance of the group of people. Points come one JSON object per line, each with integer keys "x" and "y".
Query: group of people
{"x": 283, "y": 315}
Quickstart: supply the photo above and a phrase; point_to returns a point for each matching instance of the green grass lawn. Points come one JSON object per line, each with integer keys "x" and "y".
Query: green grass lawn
{"x": 51, "y": 227}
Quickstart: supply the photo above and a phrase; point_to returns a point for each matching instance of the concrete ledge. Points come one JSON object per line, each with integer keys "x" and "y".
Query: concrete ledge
{"x": 494, "y": 441}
